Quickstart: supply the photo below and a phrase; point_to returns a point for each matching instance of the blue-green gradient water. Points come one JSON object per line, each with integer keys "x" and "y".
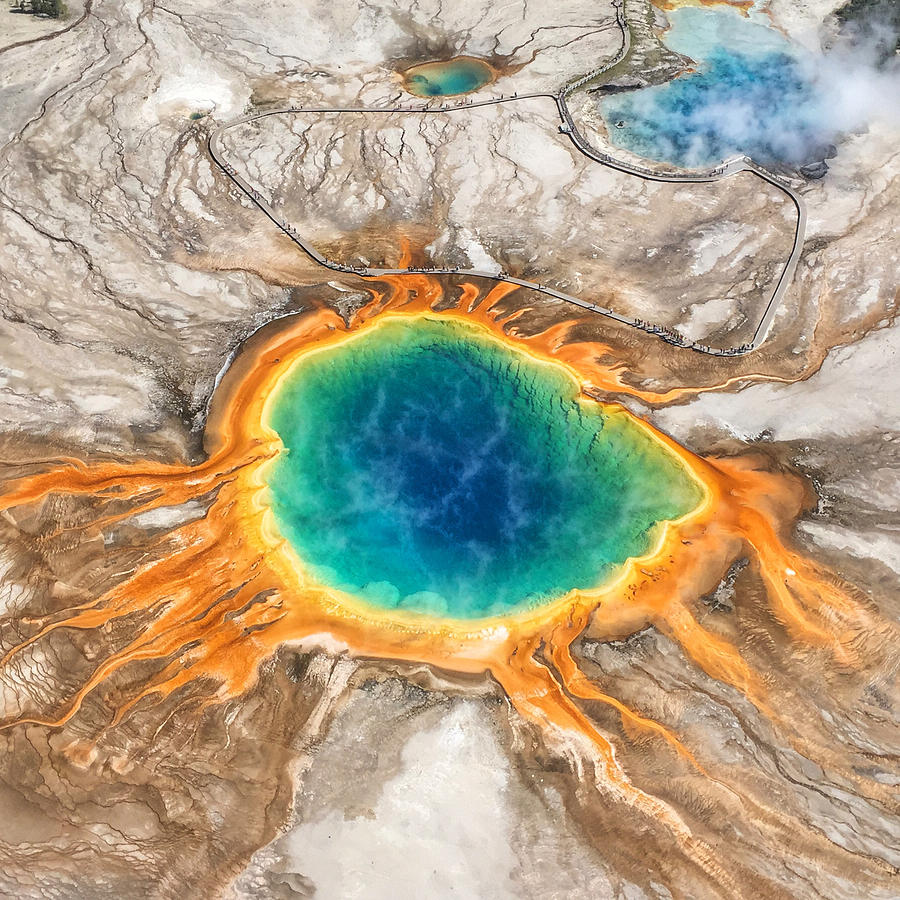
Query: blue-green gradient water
{"x": 428, "y": 467}
{"x": 445, "y": 79}
{"x": 754, "y": 93}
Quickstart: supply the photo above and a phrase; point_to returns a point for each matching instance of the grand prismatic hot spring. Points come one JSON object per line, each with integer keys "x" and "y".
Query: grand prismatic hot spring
{"x": 424, "y": 484}
{"x": 430, "y": 468}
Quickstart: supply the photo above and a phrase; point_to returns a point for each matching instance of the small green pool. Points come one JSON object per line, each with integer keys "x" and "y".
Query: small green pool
{"x": 448, "y": 78}
{"x": 428, "y": 467}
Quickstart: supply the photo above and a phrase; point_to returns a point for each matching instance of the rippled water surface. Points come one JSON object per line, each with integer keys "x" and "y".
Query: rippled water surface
{"x": 429, "y": 467}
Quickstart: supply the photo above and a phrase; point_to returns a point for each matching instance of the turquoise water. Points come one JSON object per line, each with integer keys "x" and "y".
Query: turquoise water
{"x": 427, "y": 467}
{"x": 754, "y": 93}
{"x": 445, "y": 79}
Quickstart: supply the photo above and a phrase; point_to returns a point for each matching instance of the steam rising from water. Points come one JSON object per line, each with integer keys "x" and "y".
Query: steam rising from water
{"x": 756, "y": 93}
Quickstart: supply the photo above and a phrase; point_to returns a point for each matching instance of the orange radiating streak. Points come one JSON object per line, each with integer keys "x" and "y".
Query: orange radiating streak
{"x": 537, "y": 695}
{"x": 804, "y": 597}
{"x": 469, "y": 293}
{"x": 577, "y": 683}
{"x": 128, "y": 480}
{"x": 540, "y": 699}
{"x": 717, "y": 657}
{"x": 496, "y": 294}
